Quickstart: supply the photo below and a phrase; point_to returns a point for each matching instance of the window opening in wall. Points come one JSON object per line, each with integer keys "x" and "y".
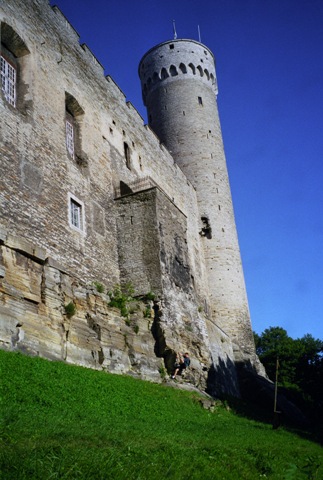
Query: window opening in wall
{"x": 200, "y": 100}
{"x": 200, "y": 69}
{"x": 76, "y": 213}
{"x": 70, "y": 135}
{"x": 183, "y": 68}
{"x": 73, "y": 120}
{"x": 111, "y": 130}
{"x": 206, "y": 228}
{"x": 171, "y": 46}
{"x": 173, "y": 71}
{"x": 13, "y": 71}
{"x": 127, "y": 154}
{"x": 8, "y": 81}
{"x": 192, "y": 67}
{"x": 163, "y": 73}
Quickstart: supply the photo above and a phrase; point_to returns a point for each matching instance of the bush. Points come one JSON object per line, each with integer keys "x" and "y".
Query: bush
{"x": 70, "y": 309}
{"x": 99, "y": 287}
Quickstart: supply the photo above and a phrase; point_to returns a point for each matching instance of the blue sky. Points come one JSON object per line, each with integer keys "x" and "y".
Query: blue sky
{"x": 269, "y": 58}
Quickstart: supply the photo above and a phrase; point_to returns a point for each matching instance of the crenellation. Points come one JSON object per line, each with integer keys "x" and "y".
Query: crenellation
{"x": 64, "y": 22}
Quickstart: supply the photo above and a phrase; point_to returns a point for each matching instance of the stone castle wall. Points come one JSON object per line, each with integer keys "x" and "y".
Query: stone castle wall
{"x": 129, "y": 233}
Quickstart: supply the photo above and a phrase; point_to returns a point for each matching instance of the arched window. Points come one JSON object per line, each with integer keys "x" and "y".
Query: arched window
{"x": 173, "y": 71}
{"x": 207, "y": 74}
{"x": 164, "y": 73}
{"x": 192, "y": 67}
{"x": 183, "y": 68}
{"x": 200, "y": 69}
{"x": 73, "y": 117}
{"x": 13, "y": 66}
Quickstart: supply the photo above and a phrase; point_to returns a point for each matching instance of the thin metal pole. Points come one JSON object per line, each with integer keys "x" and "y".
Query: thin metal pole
{"x": 276, "y": 384}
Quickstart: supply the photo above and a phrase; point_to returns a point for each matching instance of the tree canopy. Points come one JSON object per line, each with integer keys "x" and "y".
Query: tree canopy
{"x": 300, "y": 362}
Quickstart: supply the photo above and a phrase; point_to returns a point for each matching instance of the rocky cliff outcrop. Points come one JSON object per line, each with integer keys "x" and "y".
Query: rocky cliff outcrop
{"x": 47, "y": 312}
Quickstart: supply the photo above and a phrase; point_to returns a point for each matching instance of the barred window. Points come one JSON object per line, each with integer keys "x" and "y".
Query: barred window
{"x": 70, "y": 137}
{"x": 8, "y": 81}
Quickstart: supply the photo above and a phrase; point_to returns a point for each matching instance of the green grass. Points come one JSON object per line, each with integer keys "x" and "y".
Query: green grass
{"x": 65, "y": 422}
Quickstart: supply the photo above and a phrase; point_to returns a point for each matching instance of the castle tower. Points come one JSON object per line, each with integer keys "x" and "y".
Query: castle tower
{"x": 179, "y": 89}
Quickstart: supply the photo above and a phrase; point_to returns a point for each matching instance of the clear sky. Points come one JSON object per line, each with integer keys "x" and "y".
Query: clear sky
{"x": 269, "y": 61}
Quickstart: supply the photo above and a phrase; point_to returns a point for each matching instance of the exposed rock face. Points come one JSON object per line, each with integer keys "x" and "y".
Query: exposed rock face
{"x": 34, "y": 291}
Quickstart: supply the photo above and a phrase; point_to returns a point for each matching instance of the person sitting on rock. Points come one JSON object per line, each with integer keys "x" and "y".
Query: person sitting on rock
{"x": 182, "y": 362}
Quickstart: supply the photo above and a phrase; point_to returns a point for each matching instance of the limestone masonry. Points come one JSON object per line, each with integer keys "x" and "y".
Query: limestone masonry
{"x": 91, "y": 198}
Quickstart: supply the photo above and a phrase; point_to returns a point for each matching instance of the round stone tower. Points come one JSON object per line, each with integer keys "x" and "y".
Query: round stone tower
{"x": 179, "y": 89}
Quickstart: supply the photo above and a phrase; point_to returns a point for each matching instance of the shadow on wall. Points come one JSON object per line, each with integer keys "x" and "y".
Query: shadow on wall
{"x": 259, "y": 392}
{"x": 223, "y": 380}
{"x": 161, "y": 350}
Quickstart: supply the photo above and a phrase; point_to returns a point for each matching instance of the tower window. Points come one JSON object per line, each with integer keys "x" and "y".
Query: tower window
{"x": 200, "y": 100}
{"x": 173, "y": 71}
{"x": 127, "y": 154}
{"x": 171, "y": 46}
{"x": 200, "y": 69}
{"x": 192, "y": 67}
{"x": 76, "y": 213}
{"x": 8, "y": 81}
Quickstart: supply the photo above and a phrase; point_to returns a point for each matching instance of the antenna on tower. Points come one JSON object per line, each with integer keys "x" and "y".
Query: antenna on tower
{"x": 198, "y": 29}
{"x": 174, "y": 30}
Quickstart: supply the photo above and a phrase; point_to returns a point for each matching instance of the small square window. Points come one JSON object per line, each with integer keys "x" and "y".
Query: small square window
{"x": 76, "y": 213}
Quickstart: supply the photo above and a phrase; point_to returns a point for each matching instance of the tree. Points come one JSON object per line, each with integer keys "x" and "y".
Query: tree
{"x": 300, "y": 363}
{"x": 272, "y": 343}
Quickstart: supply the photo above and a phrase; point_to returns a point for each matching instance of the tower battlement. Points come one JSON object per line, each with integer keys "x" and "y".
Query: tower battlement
{"x": 168, "y": 61}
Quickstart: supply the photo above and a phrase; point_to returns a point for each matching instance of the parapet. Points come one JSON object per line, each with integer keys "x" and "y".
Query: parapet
{"x": 170, "y": 60}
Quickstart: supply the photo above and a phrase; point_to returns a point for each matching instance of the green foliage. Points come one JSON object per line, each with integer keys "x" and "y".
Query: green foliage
{"x": 200, "y": 309}
{"x": 70, "y": 309}
{"x": 162, "y": 372}
{"x": 136, "y": 329}
{"x": 147, "y": 312}
{"x": 71, "y": 423}
{"x": 300, "y": 366}
{"x": 99, "y": 286}
{"x": 150, "y": 296}
{"x": 120, "y": 297}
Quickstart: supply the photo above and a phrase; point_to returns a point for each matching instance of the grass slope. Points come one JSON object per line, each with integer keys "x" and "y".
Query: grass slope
{"x": 65, "y": 422}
